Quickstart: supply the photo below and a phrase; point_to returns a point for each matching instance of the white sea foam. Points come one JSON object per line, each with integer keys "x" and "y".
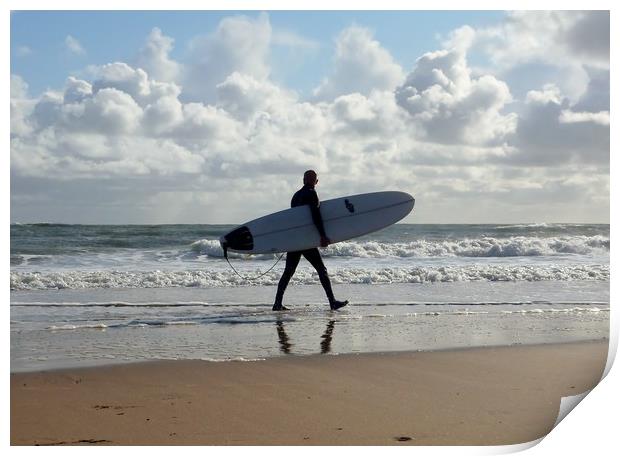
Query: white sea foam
{"x": 526, "y": 225}
{"x": 209, "y": 278}
{"x": 569, "y": 310}
{"x": 212, "y": 248}
{"x": 236, "y": 358}
{"x": 481, "y": 247}
{"x": 74, "y": 327}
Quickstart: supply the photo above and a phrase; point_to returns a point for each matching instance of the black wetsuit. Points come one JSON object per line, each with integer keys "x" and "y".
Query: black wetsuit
{"x": 306, "y": 196}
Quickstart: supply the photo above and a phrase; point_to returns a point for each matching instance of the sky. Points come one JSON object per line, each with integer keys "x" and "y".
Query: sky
{"x": 213, "y": 116}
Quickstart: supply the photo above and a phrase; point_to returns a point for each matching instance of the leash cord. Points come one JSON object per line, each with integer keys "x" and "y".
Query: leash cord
{"x": 251, "y": 278}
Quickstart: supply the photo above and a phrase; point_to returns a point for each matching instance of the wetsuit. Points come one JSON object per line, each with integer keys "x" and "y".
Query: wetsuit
{"x": 306, "y": 196}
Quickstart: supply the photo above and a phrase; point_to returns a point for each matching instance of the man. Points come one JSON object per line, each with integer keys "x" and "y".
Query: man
{"x": 307, "y": 196}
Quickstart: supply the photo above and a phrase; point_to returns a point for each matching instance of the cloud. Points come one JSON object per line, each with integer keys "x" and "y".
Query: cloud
{"x": 450, "y": 105}
{"x": 207, "y": 130}
{"x": 133, "y": 81}
{"x": 23, "y": 51}
{"x": 162, "y": 116}
{"x": 239, "y": 44}
{"x": 596, "y": 96}
{"x": 19, "y": 87}
{"x": 589, "y": 37}
{"x": 123, "y": 123}
{"x": 76, "y": 90}
{"x": 567, "y": 116}
{"x": 288, "y": 38}
{"x": 550, "y": 132}
{"x": 154, "y": 57}
{"x": 377, "y": 115}
{"x": 569, "y": 41}
{"x": 360, "y": 65}
{"x": 109, "y": 112}
{"x": 244, "y": 96}
{"x": 21, "y": 107}
{"x": 557, "y": 37}
{"x": 74, "y": 46}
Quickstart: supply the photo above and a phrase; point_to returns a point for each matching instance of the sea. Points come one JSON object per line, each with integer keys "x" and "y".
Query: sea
{"x": 88, "y": 295}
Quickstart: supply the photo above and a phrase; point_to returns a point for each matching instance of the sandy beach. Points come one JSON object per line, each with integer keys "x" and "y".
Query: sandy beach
{"x": 476, "y": 396}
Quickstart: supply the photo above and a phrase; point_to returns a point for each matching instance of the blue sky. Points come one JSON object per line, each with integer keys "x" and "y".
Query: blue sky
{"x": 109, "y": 36}
{"x": 483, "y": 116}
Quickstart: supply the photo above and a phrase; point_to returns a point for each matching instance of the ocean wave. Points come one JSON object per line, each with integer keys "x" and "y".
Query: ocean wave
{"x": 514, "y": 246}
{"x": 529, "y": 225}
{"x": 211, "y": 248}
{"x": 208, "y": 278}
{"x": 484, "y": 247}
{"x": 16, "y": 260}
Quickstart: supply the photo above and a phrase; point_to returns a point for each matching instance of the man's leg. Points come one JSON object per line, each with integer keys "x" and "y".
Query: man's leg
{"x": 314, "y": 257}
{"x": 292, "y": 260}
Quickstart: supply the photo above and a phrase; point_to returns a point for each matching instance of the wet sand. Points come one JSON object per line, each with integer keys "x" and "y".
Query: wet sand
{"x": 478, "y": 396}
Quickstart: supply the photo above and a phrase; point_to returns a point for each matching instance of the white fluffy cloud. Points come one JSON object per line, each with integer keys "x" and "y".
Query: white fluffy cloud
{"x": 239, "y": 44}
{"x": 453, "y": 107}
{"x": 21, "y": 107}
{"x": 567, "y": 116}
{"x": 377, "y": 115}
{"x": 558, "y": 37}
{"x": 76, "y": 90}
{"x": 361, "y": 65}
{"x": 112, "y": 126}
{"x": 133, "y": 81}
{"x": 571, "y": 41}
{"x": 74, "y": 46}
{"x": 163, "y": 115}
{"x": 154, "y": 57}
{"x": 244, "y": 96}
{"x": 19, "y": 87}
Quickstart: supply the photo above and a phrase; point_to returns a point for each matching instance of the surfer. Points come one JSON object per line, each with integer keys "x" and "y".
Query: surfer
{"x": 307, "y": 196}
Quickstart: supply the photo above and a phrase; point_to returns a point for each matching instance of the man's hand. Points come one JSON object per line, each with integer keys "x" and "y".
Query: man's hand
{"x": 325, "y": 241}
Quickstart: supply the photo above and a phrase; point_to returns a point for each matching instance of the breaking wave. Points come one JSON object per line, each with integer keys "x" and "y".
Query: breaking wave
{"x": 483, "y": 247}
{"x": 207, "y": 278}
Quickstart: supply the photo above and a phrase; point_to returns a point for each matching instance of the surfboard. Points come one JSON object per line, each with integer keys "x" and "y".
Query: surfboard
{"x": 343, "y": 218}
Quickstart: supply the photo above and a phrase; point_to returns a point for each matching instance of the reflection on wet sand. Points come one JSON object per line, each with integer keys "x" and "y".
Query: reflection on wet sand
{"x": 285, "y": 343}
{"x": 326, "y": 343}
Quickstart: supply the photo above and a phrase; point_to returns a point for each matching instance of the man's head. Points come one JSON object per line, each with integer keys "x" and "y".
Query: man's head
{"x": 310, "y": 178}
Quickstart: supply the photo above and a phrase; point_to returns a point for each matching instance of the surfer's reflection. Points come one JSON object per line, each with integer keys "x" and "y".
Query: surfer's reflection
{"x": 285, "y": 343}
{"x": 326, "y": 343}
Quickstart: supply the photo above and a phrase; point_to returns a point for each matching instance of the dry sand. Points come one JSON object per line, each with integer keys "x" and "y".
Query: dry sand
{"x": 480, "y": 396}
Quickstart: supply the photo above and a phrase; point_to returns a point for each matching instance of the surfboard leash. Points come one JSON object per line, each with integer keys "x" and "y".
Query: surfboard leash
{"x": 250, "y": 278}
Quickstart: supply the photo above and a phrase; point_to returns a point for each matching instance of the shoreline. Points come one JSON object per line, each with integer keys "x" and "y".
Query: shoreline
{"x": 103, "y": 364}
{"x": 466, "y": 396}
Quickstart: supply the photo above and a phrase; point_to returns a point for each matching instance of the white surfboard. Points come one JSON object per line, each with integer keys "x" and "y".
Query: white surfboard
{"x": 343, "y": 218}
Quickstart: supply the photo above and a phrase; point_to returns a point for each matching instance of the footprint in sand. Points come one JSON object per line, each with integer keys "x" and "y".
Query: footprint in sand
{"x": 403, "y": 439}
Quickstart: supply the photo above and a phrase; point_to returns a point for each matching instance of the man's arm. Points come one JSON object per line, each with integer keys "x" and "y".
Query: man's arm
{"x": 316, "y": 214}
